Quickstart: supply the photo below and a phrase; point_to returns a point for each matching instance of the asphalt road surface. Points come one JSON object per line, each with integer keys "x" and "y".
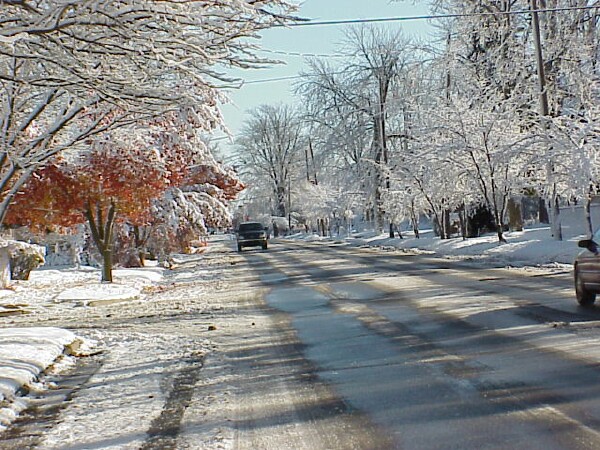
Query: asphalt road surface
{"x": 427, "y": 353}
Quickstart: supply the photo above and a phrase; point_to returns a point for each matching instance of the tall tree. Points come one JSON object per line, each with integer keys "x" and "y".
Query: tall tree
{"x": 361, "y": 86}
{"x": 109, "y": 184}
{"x": 271, "y": 147}
{"x": 159, "y": 178}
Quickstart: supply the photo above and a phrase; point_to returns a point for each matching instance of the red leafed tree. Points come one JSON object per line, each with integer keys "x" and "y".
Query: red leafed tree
{"x": 48, "y": 200}
{"x": 111, "y": 183}
{"x": 160, "y": 179}
{"x": 200, "y": 187}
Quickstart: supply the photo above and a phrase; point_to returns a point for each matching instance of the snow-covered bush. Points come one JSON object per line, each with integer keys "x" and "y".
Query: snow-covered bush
{"x": 18, "y": 259}
{"x": 24, "y": 258}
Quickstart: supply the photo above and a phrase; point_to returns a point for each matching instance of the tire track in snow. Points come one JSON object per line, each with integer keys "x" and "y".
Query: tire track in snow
{"x": 165, "y": 429}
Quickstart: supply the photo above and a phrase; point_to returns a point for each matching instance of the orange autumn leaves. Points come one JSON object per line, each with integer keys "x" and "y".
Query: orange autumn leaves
{"x": 56, "y": 196}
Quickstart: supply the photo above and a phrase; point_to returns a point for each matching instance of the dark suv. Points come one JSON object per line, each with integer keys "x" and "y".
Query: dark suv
{"x": 251, "y": 234}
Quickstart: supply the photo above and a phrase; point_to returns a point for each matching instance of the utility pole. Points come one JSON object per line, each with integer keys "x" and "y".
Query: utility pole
{"x": 290, "y": 204}
{"x": 543, "y": 95}
{"x": 312, "y": 162}
{"x": 306, "y": 159}
{"x": 544, "y": 113}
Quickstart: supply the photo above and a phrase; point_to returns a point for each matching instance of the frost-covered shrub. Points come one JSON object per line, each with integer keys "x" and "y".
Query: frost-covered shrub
{"x": 22, "y": 264}
{"x": 24, "y": 258}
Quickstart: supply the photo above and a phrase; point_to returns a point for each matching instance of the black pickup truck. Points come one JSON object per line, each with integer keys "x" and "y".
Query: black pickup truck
{"x": 251, "y": 234}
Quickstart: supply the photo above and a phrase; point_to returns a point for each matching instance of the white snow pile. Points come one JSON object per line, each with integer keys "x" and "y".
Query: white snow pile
{"x": 530, "y": 247}
{"x": 24, "y": 354}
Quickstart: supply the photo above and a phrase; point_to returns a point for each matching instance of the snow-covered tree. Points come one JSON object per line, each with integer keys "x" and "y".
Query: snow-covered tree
{"x": 271, "y": 148}
{"x": 71, "y": 70}
{"x": 134, "y": 183}
{"x": 488, "y": 147}
{"x": 495, "y": 54}
{"x": 355, "y": 94}
{"x": 114, "y": 182}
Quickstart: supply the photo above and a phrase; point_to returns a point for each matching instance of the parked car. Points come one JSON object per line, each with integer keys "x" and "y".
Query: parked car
{"x": 251, "y": 234}
{"x": 587, "y": 270}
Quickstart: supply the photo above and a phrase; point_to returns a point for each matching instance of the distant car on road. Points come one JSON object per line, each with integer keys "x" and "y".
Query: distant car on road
{"x": 251, "y": 234}
{"x": 587, "y": 270}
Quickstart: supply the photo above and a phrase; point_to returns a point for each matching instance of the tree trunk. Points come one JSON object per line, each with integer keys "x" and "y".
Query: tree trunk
{"x": 500, "y": 233}
{"x": 322, "y": 230}
{"x": 379, "y": 212}
{"x": 543, "y": 211}
{"x": 499, "y": 224}
{"x": 414, "y": 220}
{"x": 556, "y": 220}
{"x": 446, "y": 224}
{"x": 141, "y": 236}
{"x": 588, "y": 216}
{"x": 415, "y": 227}
{"x": 102, "y": 233}
{"x": 107, "y": 265}
{"x": 142, "y": 256}
{"x": 4, "y": 267}
{"x": 438, "y": 227}
{"x": 515, "y": 215}
{"x": 462, "y": 218}
{"x": 392, "y": 230}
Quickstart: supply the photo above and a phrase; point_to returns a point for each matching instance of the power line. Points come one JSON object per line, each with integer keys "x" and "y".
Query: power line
{"x": 434, "y": 16}
{"x": 403, "y": 19}
{"x": 290, "y": 77}
{"x": 301, "y": 55}
{"x": 269, "y": 80}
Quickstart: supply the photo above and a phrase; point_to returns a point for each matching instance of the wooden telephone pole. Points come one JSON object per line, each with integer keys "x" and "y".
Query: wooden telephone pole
{"x": 544, "y": 113}
{"x": 543, "y": 95}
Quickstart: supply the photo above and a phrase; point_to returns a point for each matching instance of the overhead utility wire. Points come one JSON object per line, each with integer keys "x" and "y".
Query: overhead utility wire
{"x": 434, "y": 16}
{"x": 290, "y": 77}
{"x": 408, "y": 18}
{"x": 301, "y": 55}
{"x": 265, "y": 80}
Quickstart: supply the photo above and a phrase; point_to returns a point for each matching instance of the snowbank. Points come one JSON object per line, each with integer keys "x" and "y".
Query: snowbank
{"x": 24, "y": 354}
{"x": 531, "y": 247}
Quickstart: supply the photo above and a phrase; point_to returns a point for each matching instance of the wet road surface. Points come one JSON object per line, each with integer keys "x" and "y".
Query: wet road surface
{"x": 442, "y": 354}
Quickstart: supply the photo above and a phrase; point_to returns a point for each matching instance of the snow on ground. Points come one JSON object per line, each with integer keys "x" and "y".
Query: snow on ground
{"x": 530, "y": 247}
{"x": 24, "y": 354}
{"x": 135, "y": 325}
{"x": 27, "y": 352}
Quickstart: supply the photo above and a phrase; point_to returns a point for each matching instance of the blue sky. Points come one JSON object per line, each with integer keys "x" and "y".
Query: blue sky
{"x": 312, "y": 40}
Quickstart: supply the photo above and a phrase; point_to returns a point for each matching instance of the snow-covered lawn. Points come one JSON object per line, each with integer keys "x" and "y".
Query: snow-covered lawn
{"x": 533, "y": 246}
{"x": 25, "y": 353}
